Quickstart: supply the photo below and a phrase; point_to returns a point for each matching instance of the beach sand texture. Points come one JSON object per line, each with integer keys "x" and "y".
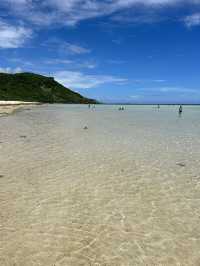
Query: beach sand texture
{"x": 123, "y": 192}
{"x": 9, "y": 107}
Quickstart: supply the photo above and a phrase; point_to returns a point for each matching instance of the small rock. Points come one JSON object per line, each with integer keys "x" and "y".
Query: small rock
{"x": 181, "y": 164}
{"x": 85, "y": 128}
{"x": 1, "y": 176}
{"x": 22, "y": 136}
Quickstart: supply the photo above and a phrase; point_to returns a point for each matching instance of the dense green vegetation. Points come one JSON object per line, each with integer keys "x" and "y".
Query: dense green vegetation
{"x": 36, "y": 88}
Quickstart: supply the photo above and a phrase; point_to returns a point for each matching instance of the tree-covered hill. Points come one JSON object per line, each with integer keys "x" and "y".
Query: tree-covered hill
{"x": 36, "y": 88}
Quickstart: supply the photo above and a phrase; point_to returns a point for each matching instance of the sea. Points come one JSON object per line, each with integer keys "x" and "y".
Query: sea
{"x": 97, "y": 186}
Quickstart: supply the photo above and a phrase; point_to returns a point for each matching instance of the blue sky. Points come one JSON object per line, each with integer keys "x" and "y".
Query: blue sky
{"x": 136, "y": 51}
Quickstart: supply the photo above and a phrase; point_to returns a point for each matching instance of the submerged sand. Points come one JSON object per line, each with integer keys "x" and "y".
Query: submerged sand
{"x": 124, "y": 192}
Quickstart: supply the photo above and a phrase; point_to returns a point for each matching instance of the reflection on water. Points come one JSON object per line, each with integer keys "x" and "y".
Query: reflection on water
{"x": 126, "y": 191}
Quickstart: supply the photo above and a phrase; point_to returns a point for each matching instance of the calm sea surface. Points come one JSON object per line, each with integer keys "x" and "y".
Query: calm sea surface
{"x": 123, "y": 192}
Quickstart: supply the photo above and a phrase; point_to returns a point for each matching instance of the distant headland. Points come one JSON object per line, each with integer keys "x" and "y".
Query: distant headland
{"x": 30, "y": 87}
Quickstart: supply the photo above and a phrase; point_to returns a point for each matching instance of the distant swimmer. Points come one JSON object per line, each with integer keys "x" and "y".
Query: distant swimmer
{"x": 121, "y": 108}
{"x": 158, "y": 106}
{"x": 180, "y": 110}
{"x": 89, "y": 106}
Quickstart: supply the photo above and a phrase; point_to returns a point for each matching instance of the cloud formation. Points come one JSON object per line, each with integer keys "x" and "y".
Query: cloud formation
{"x": 13, "y": 36}
{"x": 162, "y": 94}
{"x": 66, "y": 47}
{"x": 10, "y": 70}
{"x": 76, "y": 49}
{"x": 70, "y": 12}
{"x": 78, "y": 80}
{"x": 192, "y": 20}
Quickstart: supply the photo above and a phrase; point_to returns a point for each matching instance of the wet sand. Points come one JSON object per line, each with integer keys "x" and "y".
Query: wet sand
{"x": 9, "y": 107}
{"x": 126, "y": 191}
{"x": 5, "y": 110}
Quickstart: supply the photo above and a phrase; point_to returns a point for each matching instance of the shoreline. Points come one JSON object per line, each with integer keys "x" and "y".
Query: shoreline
{"x": 9, "y": 107}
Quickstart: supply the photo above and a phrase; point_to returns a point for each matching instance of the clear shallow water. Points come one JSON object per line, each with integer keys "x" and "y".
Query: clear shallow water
{"x": 126, "y": 191}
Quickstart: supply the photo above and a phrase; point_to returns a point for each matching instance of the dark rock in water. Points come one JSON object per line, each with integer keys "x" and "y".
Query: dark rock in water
{"x": 22, "y": 136}
{"x": 1, "y": 176}
{"x": 85, "y": 128}
{"x": 181, "y": 164}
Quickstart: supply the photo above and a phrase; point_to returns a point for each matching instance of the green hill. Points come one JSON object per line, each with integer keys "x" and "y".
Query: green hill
{"x": 36, "y": 88}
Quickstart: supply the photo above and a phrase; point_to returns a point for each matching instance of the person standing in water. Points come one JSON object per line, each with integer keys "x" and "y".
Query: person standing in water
{"x": 180, "y": 110}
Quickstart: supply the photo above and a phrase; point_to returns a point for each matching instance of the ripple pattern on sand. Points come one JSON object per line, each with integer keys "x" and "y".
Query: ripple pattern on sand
{"x": 124, "y": 192}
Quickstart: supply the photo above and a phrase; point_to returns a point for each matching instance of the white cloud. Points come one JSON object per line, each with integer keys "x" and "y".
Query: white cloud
{"x": 165, "y": 95}
{"x": 161, "y": 91}
{"x": 135, "y": 97}
{"x": 13, "y": 36}
{"x": 115, "y": 61}
{"x": 10, "y": 70}
{"x": 70, "y": 12}
{"x": 192, "y": 20}
{"x": 149, "y": 80}
{"x": 78, "y": 80}
{"x": 96, "y": 8}
{"x": 159, "y": 80}
{"x": 178, "y": 90}
{"x": 76, "y": 49}
{"x": 66, "y": 47}
{"x": 87, "y": 64}
{"x": 74, "y": 64}
{"x": 58, "y": 61}
{"x": 14, "y": 2}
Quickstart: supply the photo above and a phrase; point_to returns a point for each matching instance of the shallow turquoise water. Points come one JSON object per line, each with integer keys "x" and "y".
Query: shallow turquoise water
{"x": 124, "y": 191}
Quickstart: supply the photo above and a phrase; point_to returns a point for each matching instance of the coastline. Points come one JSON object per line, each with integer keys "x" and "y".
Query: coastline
{"x": 9, "y": 107}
